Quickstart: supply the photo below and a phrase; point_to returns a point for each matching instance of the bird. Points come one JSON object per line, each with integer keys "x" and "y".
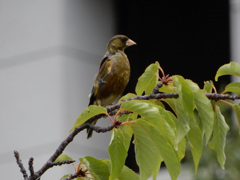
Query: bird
{"x": 113, "y": 74}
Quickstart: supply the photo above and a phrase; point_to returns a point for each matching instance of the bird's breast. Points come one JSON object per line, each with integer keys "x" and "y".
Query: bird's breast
{"x": 116, "y": 81}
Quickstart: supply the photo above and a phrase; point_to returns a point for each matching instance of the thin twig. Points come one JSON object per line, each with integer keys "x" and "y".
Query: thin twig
{"x": 19, "y": 162}
{"x": 59, "y": 163}
{"x": 30, "y": 165}
{"x": 156, "y": 89}
{"x": 216, "y": 97}
{"x": 69, "y": 139}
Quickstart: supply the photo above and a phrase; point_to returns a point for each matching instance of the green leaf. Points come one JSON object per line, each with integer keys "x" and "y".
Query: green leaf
{"x": 205, "y": 110}
{"x": 181, "y": 149}
{"x": 157, "y": 103}
{"x": 117, "y": 152}
{"x": 233, "y": 87}
{"x": 219, "y": 137}
{"x": 165, "y": 137}
{"x": 127, "y": 117}
{"x": 97, "y": 168}
{"x": 156, "y": 171}
{"x": 156, "y": 115}
{"x": 183, "y": 106}
{"x": 182, "y": 122}
{"x": 151, "y": 147}
{"x": 145, "y": 108}
{"x": 148, "y": 80}
{"x": 63, "y": 157}
{"x": 167, "y": 126}
{"x": 185, "y": 94}
{"x": 128, "y": 174}
{"x": 206, "y": 113}
{"x": 108, "y": 163}
{"x": 126, "y": 130}
{"x": 195, "y": 141}
{"x": 236, "y": 108}
{"x": 171, "y": 119}
{"x": 232, "y": 68}
{"x": 65, "y": 176}
{"x": 127, "y": 96}
{"x": 88, "y": 113}
{"x": 147, "y": 154}
{"x": 208, "y": 85}
{"x": 167, "y": 88}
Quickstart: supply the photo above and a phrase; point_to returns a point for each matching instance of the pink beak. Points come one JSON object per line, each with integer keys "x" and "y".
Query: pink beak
{"x": 130, "y": 42}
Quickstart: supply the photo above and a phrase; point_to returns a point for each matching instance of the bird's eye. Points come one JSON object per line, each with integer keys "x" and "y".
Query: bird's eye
{"x": 123, "y": 39}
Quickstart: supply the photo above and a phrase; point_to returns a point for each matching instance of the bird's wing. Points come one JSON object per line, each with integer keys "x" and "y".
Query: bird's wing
{"x": 103, "y": 61}
{"x": 104, "y": 70}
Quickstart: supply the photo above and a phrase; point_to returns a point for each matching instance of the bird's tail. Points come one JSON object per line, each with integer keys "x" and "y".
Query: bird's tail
{"x": 90, "y": 131}
{"x": 91, "y": 102}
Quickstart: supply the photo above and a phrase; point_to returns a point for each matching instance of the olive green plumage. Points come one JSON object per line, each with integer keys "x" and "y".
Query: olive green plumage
{"x": 113, "y": 74}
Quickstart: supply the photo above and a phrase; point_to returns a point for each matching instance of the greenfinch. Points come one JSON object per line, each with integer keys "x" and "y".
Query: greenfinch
{"x": 113, "y": 74}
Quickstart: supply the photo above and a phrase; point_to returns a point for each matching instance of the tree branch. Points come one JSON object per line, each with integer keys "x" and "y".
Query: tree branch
{"x": 59, "y": 163}
{"x": 51, "y": 162}
{"x": 30, "y": 165}
{"x": 112, "y": 111}
{"x": 216, "y": 97}
{"x": 19, "y": 162}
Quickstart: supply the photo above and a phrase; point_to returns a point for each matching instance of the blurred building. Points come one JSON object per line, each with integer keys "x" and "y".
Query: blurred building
{"x": 49, "y": 55}
{"x": 235, "y": 30}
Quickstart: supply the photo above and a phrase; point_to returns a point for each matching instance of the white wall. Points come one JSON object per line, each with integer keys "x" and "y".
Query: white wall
{"x": 235, "y": 29}
{"x": 49, "y": 54}
{"x": 235, "y": 34}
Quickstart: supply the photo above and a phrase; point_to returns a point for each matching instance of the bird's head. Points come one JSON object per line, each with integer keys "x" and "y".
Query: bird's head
{"x": 119, "y": 43}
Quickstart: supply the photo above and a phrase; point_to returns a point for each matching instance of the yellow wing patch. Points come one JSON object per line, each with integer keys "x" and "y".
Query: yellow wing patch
{"x": 109, "y": 67}
{"x": 105, "y": 69}
{"x": 95, "y": 88}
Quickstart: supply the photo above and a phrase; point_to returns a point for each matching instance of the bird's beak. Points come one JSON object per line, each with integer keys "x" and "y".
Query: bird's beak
{"x": 130, "y": 42}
